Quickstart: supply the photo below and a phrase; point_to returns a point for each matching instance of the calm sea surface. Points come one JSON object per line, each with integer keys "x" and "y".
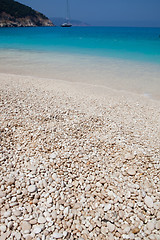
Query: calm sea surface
{"x": 121, "y": 58}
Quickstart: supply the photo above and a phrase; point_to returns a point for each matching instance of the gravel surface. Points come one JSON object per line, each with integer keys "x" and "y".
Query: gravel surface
{"x": 76, "y": 165}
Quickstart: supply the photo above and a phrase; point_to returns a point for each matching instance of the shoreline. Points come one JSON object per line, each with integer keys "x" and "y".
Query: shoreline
{"x": 88, "y": 89}
{"x": 119, "y": 74}
{"x": 76, "y": 162}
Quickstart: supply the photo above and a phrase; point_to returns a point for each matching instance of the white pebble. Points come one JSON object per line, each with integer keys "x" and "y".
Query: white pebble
{"x": 7, "y": 214}
{"x": 41, "y": 220}
{"x": 111, "y": 227}
{"x": 107, "y": 207}
{"x": 53, "y": 155}
{"x": 49, "y": 200}
{"x": 148, "y": 201}
{"x": 57, "y": 235}
{"x": 131, "y": 171}
{"x": 32, "y": 188}
{"x": 3, "y": 228}
{"x": 37, "y": 230}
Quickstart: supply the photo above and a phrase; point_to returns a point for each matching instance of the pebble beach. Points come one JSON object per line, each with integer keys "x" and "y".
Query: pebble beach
{"x": 77, "y": 162}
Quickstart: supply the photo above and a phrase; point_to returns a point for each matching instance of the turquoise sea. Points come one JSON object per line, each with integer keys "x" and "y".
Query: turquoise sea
{"x": 116, "y": 57}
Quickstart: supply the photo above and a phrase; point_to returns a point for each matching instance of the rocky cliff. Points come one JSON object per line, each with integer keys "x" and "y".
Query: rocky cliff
{"x": 14, "y": 14}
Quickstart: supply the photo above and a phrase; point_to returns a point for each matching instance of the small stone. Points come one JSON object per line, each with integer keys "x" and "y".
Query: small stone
{"x": 126, "y": 229}
{"x": 44, "y": 183}
{"x": 3, "y": 228}
{"x": 75, "y": 183}
{"x": 14, "y": 199}
{"x": 32, "y": 167}
{"x": 135, "y": 230}
{"x": 110, "y": 237}
{"x": 37, "y": 230}
{"x": 57, "y": 235}
{"x": 154, "y": 236}
{"x": 17, "y": 235}
{"x": 88, "y": 187}
{"x": 158, "y": 225}
{"x": 41, "y": 220}
{"x": 3, "y": 236}
{"x": 104, "y": 230}
{"x": 49, "y": 200}
{"x": 35, "y": 201}
{"x": 54, "y": 214}
{"x": 33, "y": 221}
{"x": 53, "y": 155}
{"x": 13, "y": 204}
{"x": 143, "y": 193}
{"x": 79, "y": 227}
{"x": 11, "y": 181}
{"x": 25, "y": 226}
{"x": 156, "y": 205}
{"x": 54, "y": 176}
{"x": 131, "y": 236}
{"x": 107, "y": 207}
{"x": 46, "y": 232}
{"x": 90, "y": 227}
{"x": 32, "y": 188}
{"x": 131, "y": 171}
{"x": 66, "y": 211}
{"x": 129, "y": 156}
{"x": 7, "y": 214}
{"x": 148, "y": 201}
{"x": 150, "y": 225}
{"x": 121, "y": 214}
{"x": 111, "y": 227}
{"x": 10, "y": 225}
{"x": 17, "y": 213}
{"x": 2, "y": 194}
{"x": 28, "y": 237}
{"x": 65, "y": 233}
{"x": 98, "y": 184}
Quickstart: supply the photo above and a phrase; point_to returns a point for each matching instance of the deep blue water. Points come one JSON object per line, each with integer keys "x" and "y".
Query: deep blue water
{"x": 141, "y": 44}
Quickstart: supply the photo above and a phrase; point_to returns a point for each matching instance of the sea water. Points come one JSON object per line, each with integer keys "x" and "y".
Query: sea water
{"x": 120, "y": 58}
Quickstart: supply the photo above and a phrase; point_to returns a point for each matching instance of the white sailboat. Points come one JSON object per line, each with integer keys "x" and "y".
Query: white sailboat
{"x": 67, "y": 23}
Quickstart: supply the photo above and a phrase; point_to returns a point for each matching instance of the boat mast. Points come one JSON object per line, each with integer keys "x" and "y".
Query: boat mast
{"x": 68, "y": 13}
{"x": 67, "y": 24}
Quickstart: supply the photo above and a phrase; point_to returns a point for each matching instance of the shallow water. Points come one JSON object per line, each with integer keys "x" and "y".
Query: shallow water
{"x": 119, "y": 58}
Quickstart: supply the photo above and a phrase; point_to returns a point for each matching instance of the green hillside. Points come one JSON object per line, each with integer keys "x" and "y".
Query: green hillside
{"x": 16, "y": 9}
{"x": 15, "y": 14}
